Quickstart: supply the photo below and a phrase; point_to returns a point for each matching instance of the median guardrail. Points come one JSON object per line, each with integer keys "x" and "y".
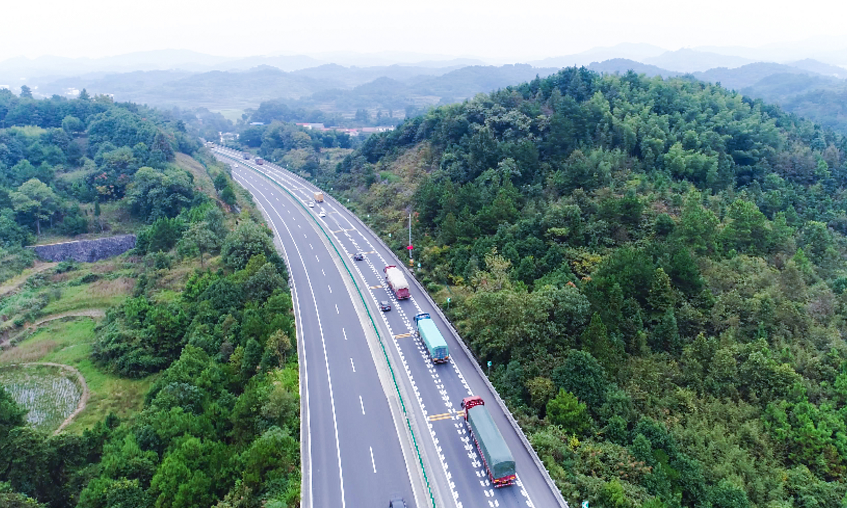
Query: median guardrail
{"x": 513, "y": 423}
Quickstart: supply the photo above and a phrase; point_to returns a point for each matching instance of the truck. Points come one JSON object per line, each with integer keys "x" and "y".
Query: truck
{"x": 495, "y": 453}
{"x": 246, "y": 155}
{"x": 431, "y": 337}
{"x": 397, "y": 282}
{"x": 260, "y": 161}
{"x": 319, "y": 197}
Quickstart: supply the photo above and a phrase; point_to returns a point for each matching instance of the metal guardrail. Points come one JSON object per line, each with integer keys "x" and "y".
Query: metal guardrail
{"x": 370, "y": 317}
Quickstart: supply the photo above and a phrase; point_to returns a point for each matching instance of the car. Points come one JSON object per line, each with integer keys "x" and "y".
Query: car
{"x": 384, "y": 306}
{"x": 311, "y": 204}
{"x": 322, "y": 214}
{"x": 358, "y": 256}
{"x": 397, "y": 503}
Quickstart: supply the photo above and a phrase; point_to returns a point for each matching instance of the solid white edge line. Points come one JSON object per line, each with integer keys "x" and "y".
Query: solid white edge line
{"x": 326, "y": 357}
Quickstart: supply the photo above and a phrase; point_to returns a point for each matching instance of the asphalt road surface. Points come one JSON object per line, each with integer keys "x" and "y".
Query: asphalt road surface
{"x": 355, "y": 444}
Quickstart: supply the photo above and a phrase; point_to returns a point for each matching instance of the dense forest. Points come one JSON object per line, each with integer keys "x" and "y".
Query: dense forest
{"x": 654, "y": 268}
{"x": 208, "y": 322}
{"x": 62, "y": 160}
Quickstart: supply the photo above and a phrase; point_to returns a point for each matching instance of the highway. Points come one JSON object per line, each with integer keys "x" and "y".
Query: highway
{"x": 358, "y": 448}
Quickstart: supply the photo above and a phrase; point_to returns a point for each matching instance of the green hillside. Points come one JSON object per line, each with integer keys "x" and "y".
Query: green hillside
{"x": 655, "y": 270}
{"x": 185, "y": 385}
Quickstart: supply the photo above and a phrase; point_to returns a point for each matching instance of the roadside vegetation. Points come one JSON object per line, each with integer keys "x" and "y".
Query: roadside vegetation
{"x": 654, "y": 269}
{"x": 186, "y": 344}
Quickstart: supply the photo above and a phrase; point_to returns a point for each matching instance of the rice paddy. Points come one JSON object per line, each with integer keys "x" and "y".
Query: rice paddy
{"x": 49, "y": 394}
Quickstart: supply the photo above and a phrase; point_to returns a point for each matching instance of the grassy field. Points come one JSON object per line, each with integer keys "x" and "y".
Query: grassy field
{"x": 100, "y": 294}
{"x": 232, "y": 115}
{"x": 48, "y": 393}
{"x": 69, "y": 342}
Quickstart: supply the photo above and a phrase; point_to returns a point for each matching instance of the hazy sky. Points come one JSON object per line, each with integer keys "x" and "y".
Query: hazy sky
{"x": 492, "y": 28}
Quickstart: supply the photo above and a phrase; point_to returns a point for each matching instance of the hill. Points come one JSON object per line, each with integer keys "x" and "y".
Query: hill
{"x": 156, "y": 402}
{"x": 654, "y": 269}
{"x": 623, "y": 65}
{"x": 689, "y": 60}
{"x": 747, "y": 75}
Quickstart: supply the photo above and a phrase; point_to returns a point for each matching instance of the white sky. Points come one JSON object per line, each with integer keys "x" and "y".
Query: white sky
{"x": 486, "y": 28}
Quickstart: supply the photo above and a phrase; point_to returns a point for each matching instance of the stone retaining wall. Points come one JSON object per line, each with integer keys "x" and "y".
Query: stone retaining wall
{"x": 85, "y": 251}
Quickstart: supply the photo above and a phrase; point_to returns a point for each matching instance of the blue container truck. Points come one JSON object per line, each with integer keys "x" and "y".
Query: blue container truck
{"x": 429, "y": 334}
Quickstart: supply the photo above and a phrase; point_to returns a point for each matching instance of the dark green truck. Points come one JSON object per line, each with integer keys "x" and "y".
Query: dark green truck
{"x": 495, "y": 453}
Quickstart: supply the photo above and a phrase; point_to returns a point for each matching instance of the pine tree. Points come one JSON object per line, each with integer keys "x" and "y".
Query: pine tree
{"x": 595, "y": 340}
{"x": 661, "y": 296}
{"x": 666, "y": 334}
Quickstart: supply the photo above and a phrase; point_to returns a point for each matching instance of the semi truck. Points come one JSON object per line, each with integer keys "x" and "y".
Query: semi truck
{"x": 397, "y": 282}
{"x": 319, "y": 197}
{"x": 260, "y": 161}
{"x": 429, "y": 334}
{"x": 495, "y": 453}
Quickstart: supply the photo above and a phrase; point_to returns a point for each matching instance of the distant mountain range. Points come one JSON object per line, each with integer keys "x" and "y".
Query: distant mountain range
{"x": 330, "y": 87}
{"x": 22, "y": 68}
{"x": 395, "y": 82}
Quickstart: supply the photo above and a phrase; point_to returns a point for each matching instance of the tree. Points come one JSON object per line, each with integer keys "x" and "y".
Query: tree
{"x": 26, "y": 92}
{"x": 72, "y": 125}
{"x": 220, "y": 181}
{"x": 153, "y": 195}
{"x": 595, "y": 340}
{"x": 540, "y": 389}
{"x": 11, "y": 415}
{"x": 36, "y": 200}
{"x": 747, "y": 230}
{"x": 199, "y": 239}
{"x": 583, "y": 376}
{"x": 277, "y": 349}
{"x": 698, "y": 227}
{"x": 228, "y": 195}
{"x": 661, "y": 296}
{"x": 247, "y": 240}
{"x": 251, "y": 359}
{"x": 566, "y": 410}
{"x": 11, "y": 499}
{"x": 666, "y": 334}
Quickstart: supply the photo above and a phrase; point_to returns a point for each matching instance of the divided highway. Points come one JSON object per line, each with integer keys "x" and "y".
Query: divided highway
{"x": 358, "y": 447}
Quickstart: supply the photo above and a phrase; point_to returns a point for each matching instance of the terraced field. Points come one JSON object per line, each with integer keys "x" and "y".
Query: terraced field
{"x": 49, "y": 393}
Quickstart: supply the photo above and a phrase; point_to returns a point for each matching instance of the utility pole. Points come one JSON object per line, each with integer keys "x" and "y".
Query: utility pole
{"x": 410, "y": 236}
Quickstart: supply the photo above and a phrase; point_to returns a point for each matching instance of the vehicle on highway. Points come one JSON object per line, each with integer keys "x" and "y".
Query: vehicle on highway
{"x": 384, "y": 306}
{"x": 311, "y": 204}
{"x": 246, "y": 156}
{"x": 397, "y": 282}
{"x": 260, "y": 161}
{"x": 495, "y": 453}
{"x": 322, "y": 214}
{"x": 397, "y": 503}
{"x": 319, "y": 197}
{"x": 358, "y": 256}
{"x": 435, "y": 344}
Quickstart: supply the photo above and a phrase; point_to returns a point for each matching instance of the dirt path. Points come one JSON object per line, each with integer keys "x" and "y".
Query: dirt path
{"x": 15, "y": 283}
{"x": 83, "y": 400}
{"x": 92, "y": 313}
